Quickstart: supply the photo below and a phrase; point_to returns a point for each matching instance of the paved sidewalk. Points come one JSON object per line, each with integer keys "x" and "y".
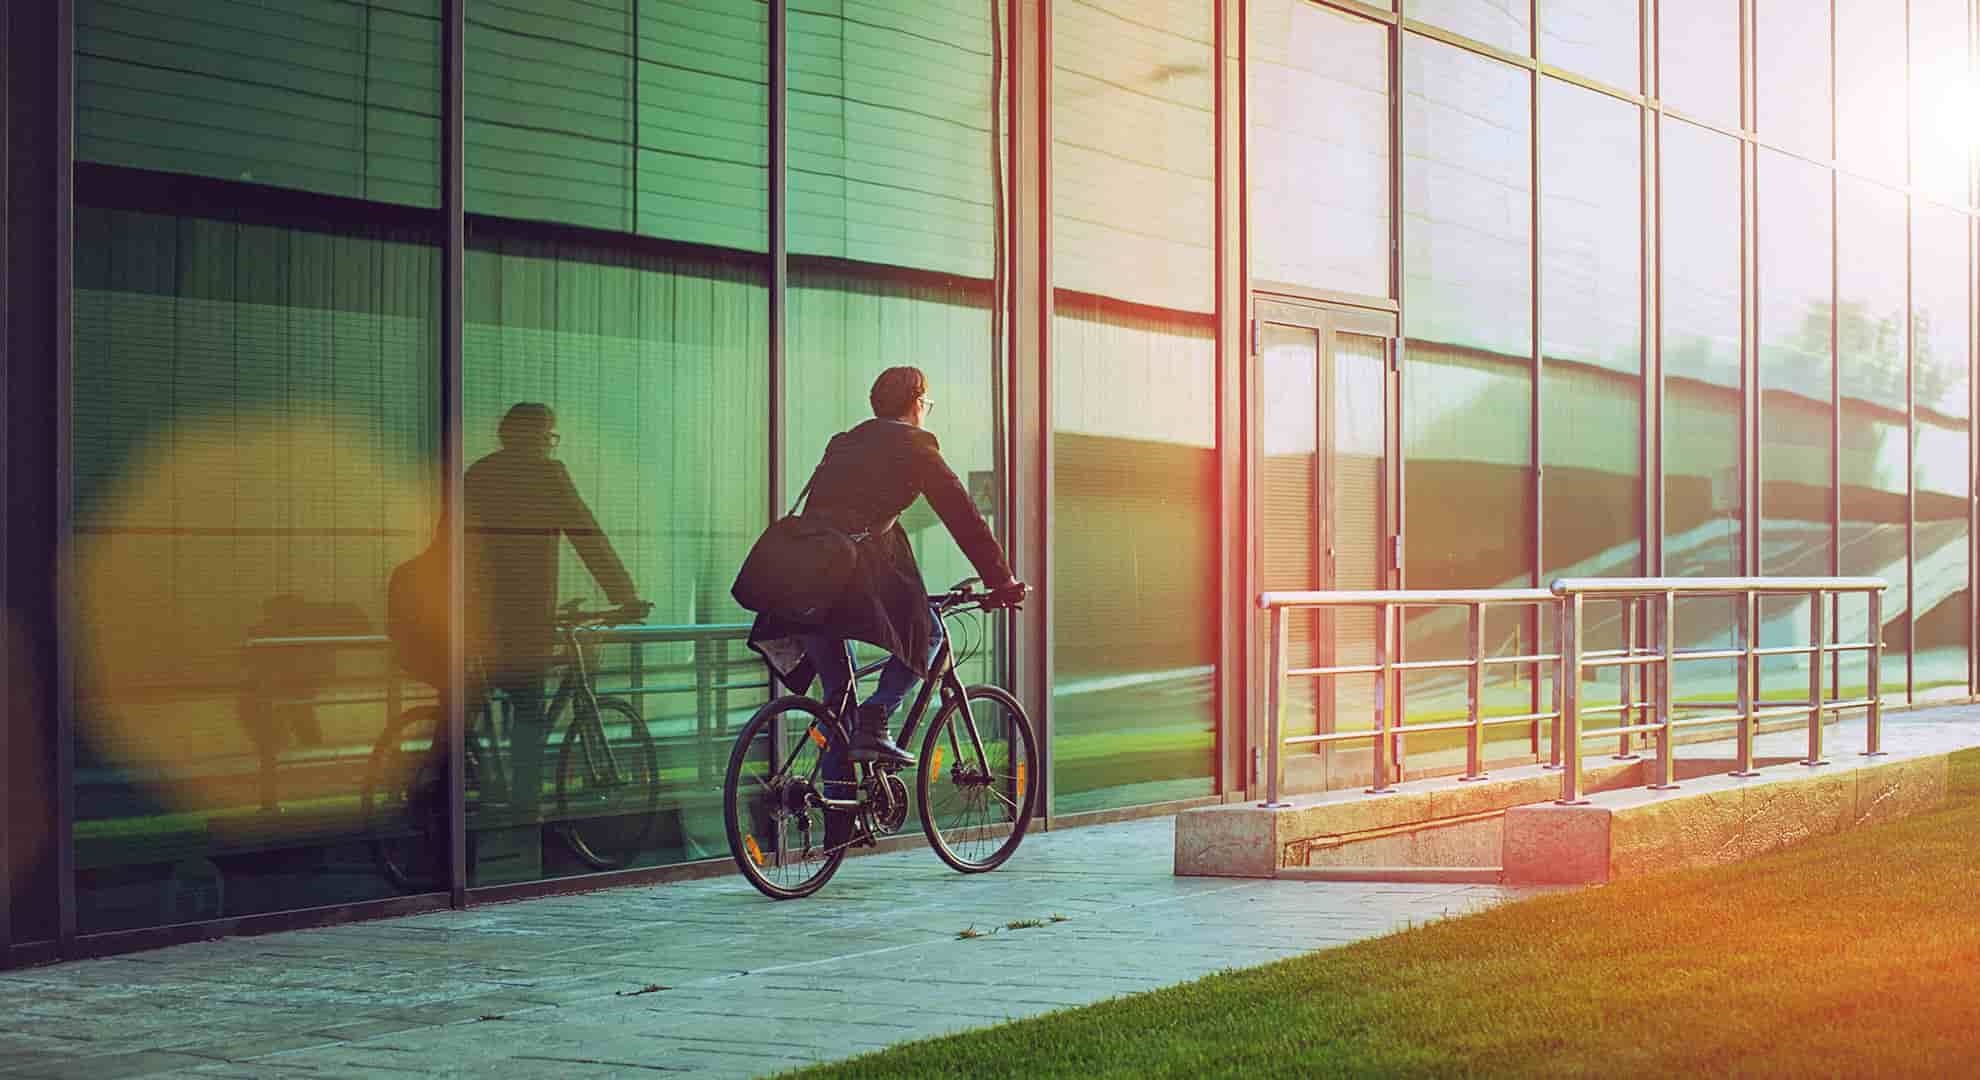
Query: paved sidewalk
{"x": 707, "y": 978}
{"x": 561, "y": 986}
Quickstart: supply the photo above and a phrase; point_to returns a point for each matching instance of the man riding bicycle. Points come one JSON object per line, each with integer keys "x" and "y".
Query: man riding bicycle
{"x": 521, "y": 504}
{"x": 868, "y": 476}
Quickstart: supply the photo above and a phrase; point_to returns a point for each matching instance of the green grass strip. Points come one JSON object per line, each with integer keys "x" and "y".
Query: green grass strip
{"x": 1855, "y": 954}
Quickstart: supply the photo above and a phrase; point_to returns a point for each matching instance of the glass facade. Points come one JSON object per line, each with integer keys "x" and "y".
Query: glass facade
{"x": 1467, "y": 380}
{"x": 1563, "y": 315}
{"x": 1133, "y": 393}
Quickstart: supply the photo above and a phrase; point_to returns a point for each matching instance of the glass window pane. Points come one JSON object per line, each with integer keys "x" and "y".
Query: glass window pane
{"x": 1698, "y": 58}
{"x": 702, "y": 164}
{"x": 1942, "y": 99}
{"x": 1467, "y": 199}
{"x": 1505, "y": 24}
{"x": 890, "y": 116}
{"x": 1942, "y": 373}
{"x": 1699, "y": 290}
{"x": 1870, "y": 355}
{"x": 1870, "y": 66}
{"x": 1467, "y": 368}
{"x": 844, "y": 327}
{"x": 1596, "y": 38}
{"x": 1590, "y": 276}
{"x": 1591, "y": 186}
{"x": 1796, "y": 305}
{"x": 1134, "y": 393}
{"x": 654, "y": 369}
{"x": 1319, "y": 168}
{"x": 336, "y": 98}
{"x": 1791, "y": 94}
{"x": 256, "y": 423}
{"x": 583, "y": 114}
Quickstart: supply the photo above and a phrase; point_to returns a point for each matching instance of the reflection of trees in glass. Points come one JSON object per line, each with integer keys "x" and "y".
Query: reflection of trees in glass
{"x": 1872, "y": 348}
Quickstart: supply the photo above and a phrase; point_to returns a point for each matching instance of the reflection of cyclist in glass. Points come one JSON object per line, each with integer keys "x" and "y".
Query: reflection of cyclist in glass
{"x": 868, "y": 476}
{"x": 519, "y": 501}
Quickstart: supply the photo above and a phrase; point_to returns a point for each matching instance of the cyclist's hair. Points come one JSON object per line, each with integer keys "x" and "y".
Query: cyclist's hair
{"x": 895, "y": 390}
{"x": 525, "y": 420}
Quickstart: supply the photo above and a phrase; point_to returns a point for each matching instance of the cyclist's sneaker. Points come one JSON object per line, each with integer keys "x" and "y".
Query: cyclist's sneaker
{"x": 871, "y": 742}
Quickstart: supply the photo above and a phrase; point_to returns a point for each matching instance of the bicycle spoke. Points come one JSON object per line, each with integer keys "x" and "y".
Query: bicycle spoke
{"x": 974, "y": 803}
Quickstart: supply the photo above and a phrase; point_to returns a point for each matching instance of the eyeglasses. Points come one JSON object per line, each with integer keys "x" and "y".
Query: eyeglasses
{"x": 555, "y": 438}
{"x": 927, "y": 403}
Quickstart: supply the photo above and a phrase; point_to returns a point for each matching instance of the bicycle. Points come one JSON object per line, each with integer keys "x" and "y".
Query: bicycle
{"x": 608, "y": 788}
{"x": 974, "y": 812}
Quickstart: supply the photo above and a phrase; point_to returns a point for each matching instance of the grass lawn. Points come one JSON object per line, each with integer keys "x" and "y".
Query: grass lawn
{"x": 1856, "y": 954}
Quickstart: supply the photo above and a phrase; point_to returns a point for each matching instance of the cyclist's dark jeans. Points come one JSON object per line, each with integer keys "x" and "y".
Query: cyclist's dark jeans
{"x": 526, "y": 738}
{"x": 832, "y": 658}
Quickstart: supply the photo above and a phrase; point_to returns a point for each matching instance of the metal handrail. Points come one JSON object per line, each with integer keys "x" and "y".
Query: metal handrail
{"x": 1386, "y": 670}
{"x": 710, "y": 690}
{"x": 1656, "y": 664}
{"x": 1567, "y": 664}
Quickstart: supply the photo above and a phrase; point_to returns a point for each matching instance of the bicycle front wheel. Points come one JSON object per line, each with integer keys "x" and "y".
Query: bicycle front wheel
{"x": 608, "y": 784}
{"x": 777, "y": 773}
{"x": 976, "y": 804}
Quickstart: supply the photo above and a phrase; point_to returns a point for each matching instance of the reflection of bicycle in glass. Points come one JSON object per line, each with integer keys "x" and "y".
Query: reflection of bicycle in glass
{"x": 975, "y": 781}
{"x": 608, "y": 788}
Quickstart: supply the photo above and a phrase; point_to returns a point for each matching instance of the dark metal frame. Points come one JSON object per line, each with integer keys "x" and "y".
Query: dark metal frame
{"x": 1233, "y": 678}
{"x": 453, "y": 205}
{"x": 63, "y": 283}
{"x": 1029, "y": 437}
{"x": 8, "y": 692}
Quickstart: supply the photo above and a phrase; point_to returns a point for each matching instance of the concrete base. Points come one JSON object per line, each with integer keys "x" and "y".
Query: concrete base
{"x": 1713, "y": 819}
{"x": 1443, "y": 822}
{"x": 1511, "y": 824}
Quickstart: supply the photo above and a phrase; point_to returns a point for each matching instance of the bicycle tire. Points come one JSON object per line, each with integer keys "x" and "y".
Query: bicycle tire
{"x": 743, "y": 847}
{"x": 587, "y": 837}
{"x": 938, "y": 749}
{"x": 403, "y": 803}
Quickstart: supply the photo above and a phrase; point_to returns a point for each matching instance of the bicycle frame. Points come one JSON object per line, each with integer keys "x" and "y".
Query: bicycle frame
{"x": 573, "y": 678}
{"x": 952, "y": 688}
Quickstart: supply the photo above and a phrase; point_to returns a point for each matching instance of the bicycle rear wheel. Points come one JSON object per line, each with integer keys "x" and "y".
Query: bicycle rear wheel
{"x": 976, "y": 807}
{"x": 404, "y": 800}
{"x": 769, "y": 798}
{"x": 608, "y": 784}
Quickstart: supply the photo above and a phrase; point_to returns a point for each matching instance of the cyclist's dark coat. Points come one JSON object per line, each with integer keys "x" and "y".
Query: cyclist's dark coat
{"x": 868, "y": 476}
{"x": 519, "y": 506}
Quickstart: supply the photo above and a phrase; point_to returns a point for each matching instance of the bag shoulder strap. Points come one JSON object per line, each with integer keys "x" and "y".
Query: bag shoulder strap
{"x": 805, "y": 492}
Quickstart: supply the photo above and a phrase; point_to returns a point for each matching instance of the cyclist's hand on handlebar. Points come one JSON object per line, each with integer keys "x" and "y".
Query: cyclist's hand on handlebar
{"x": 635, "y": 610}
{"x": 1009, "y": 595}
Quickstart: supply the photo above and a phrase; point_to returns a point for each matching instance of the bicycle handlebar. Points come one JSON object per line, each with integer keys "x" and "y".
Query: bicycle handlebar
{"x": 572, "y": 616}
{"x": 966, "y": 593}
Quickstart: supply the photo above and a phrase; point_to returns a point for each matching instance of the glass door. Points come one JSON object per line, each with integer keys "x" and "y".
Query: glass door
{"x": 1322, "y": 509}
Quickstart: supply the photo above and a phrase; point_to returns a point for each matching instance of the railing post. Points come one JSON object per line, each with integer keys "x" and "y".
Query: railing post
{"x": 1626, "y": 676}
{"x": 1749, "y": 664}
{"x": 1666, "y": 621}
{"x": 1275, "y": 708}
{"x": 1874, "y": 718}
{"x": 1474, "y": 736}
{"x": 1560, "y": 678}
{"x": 1817, "y": 660}
{"x": 1384, "y": 660}
{"x": 1570, "y": 744}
